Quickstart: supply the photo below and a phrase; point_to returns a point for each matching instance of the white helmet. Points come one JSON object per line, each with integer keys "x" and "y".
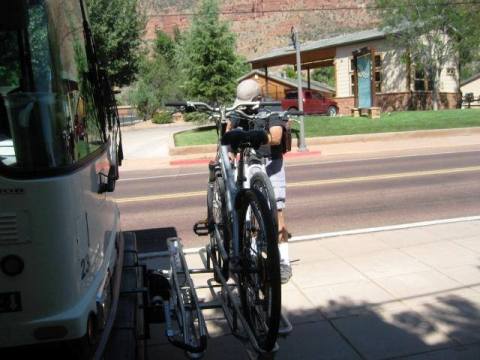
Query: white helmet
{"x": 247, "y": 91}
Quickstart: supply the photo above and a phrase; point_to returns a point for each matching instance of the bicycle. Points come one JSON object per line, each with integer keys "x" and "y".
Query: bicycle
{"x": 241, "y": 221}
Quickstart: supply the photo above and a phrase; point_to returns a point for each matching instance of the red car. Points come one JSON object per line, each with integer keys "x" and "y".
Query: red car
{"x": 313, "y": 103}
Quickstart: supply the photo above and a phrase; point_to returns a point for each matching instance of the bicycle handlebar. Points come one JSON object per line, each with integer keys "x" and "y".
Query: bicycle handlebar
{"x": 196, "y": 104}
{"x": 296, "y": 113}
{"x": 270, "y": 103}
{"x": 255, "y": 103}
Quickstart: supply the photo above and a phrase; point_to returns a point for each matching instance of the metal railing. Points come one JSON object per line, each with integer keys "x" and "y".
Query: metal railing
{"x": 469, "y": 101}
{"x": 128, "y": 115}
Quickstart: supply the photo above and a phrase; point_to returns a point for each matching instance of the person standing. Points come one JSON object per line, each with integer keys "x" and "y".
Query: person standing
{"x": 248, "y": 91}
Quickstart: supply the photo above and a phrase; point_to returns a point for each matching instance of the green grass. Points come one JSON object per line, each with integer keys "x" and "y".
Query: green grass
{"x": 200, "y": 136}
{"x": 327, "y": 126}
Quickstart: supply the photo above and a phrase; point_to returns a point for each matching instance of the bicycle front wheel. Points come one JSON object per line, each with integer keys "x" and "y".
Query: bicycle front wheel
{"x": 259, "y": 279}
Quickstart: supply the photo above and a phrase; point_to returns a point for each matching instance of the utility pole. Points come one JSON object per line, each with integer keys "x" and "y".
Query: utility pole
{"x": 296, "y": 44}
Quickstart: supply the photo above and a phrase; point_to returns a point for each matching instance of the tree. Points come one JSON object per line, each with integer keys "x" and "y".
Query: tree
{"x": 152, "y": 87}
{"x": 325, "y": 75}
{"x": 290, "y": 72}
{"x": 434, "y": 32}
{"x": 157, "y": 78}
{"x": 164, "y": 46}
{"x": 117, "y": 27}
{"x": 208, "y": 62}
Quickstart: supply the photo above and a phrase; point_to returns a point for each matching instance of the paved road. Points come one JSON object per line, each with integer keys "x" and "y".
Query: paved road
{"x": 149, "y": 142}
{"x": 322, "y": 196}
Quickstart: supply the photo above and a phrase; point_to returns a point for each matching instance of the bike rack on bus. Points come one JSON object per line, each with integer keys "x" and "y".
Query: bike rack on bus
{"x": 173, "y": 300}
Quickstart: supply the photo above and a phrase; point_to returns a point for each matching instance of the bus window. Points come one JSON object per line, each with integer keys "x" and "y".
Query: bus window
{"x": 9, "y": 81}
{"x": 48, "y": 117}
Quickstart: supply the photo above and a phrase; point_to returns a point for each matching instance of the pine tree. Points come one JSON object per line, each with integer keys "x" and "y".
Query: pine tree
{"x": 207, "y": 57}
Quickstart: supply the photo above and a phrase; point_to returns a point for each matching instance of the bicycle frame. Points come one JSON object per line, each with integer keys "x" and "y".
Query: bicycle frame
{"x": 231, "y": 192}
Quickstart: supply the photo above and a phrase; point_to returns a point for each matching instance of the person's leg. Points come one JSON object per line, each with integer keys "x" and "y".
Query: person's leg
{"x": 276, "y": 173}
{"x": 283, "y": 237}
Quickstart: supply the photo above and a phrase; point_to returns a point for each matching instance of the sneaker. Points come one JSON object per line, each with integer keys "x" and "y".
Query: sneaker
{"x": 285, "y": 273}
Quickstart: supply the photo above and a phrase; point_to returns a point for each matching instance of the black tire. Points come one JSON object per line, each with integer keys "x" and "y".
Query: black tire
{"x": 292, "y": 109}
{"x": 217, "y": 215}
{"x": 261, "y": 182}
{"x": 259, "y": 279}
{"x": 332, "y": 111}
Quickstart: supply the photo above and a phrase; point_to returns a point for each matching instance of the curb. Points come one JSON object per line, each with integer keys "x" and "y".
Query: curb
{"x": 340, "y": 139}
{"x": 206, "y": 158}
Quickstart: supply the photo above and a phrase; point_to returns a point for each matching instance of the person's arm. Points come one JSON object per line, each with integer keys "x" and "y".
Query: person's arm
{"x": 275, "y": 135}
{"x": 229, "y": 125}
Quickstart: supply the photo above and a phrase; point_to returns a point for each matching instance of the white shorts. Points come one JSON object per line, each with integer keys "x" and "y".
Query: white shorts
{"x": 276, "y": 173}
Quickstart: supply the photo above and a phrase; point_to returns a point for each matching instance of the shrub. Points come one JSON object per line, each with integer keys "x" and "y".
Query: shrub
{"x": 196, "y": 117}
{"x": 162, "y": 118}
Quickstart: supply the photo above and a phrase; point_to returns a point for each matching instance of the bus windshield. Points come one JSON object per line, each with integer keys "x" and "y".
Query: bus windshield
{"x": 47, "y": 115}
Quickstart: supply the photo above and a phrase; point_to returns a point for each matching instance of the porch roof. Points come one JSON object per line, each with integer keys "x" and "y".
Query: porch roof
{"x": 315, "y": 53}
{"x": 314, "y": 85}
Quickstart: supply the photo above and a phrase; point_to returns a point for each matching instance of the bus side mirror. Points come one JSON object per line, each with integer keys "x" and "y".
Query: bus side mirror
{"x": 107, "y": 182}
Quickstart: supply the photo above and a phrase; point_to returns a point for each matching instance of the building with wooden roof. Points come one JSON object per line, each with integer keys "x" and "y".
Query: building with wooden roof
{"x": 275, "y": 87}
{"x": 369, "y": 72}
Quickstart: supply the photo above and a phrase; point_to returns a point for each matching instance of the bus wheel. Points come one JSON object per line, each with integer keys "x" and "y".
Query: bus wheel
{"x": 92, "y": 330}
{"x": 84, "y": 347}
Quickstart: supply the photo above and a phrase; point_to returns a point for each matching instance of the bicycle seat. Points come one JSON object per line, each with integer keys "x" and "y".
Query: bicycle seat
{"x": 240, "y": 138}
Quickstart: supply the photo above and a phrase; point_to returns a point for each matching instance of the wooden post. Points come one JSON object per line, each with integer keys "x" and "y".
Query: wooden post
{"x": 355, "y": 79}
{"x": 266, "y": 82}
{"x": 372, "y": 78}
{"x": 308, "y": 77}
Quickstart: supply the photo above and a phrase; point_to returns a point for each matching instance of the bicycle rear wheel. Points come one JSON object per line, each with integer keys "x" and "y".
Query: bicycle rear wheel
{"x": 261, "y": 182}
{"x": 259, "y": 279}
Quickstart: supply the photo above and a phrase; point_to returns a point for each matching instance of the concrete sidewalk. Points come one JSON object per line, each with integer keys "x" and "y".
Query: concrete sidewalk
{"x": 412, "y": 293}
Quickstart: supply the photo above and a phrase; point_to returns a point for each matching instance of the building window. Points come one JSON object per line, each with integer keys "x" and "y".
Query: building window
{"x": 352, "y": 76}
{"x": 378, "y": 73}
{"x": 422, "y": 81}
{"x": 419, "y": 80}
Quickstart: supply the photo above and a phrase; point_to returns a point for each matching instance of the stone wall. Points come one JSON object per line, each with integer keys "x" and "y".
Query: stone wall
{"x": 345, "y": 105}
{"x": 261, "y": 25}
{"x": 415, "y": 101}
{"x": 401, "y": 102}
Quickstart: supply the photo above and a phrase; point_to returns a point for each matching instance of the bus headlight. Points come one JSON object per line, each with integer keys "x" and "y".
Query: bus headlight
{"x": 12, "y": 265}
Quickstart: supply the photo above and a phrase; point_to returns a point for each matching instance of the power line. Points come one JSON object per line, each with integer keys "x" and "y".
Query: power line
{"x": 316, "y": 9}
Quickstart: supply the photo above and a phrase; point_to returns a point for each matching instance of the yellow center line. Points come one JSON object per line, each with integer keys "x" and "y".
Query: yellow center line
{"x": 316, "y": 183}
{"x": 385, "y": 176}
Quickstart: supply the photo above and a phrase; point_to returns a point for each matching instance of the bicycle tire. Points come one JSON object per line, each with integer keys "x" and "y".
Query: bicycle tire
{"x": 218, "y": 216}
{"x": 261, "y": 182}
{"x": 259, "y": 279}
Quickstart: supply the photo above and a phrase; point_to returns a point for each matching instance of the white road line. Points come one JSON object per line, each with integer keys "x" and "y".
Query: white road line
{"x": 321, "y": 236}
{"x": 382, "y": 228}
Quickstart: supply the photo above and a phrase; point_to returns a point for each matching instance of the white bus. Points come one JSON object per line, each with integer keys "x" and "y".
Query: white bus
{"x": 59, "y": 157}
